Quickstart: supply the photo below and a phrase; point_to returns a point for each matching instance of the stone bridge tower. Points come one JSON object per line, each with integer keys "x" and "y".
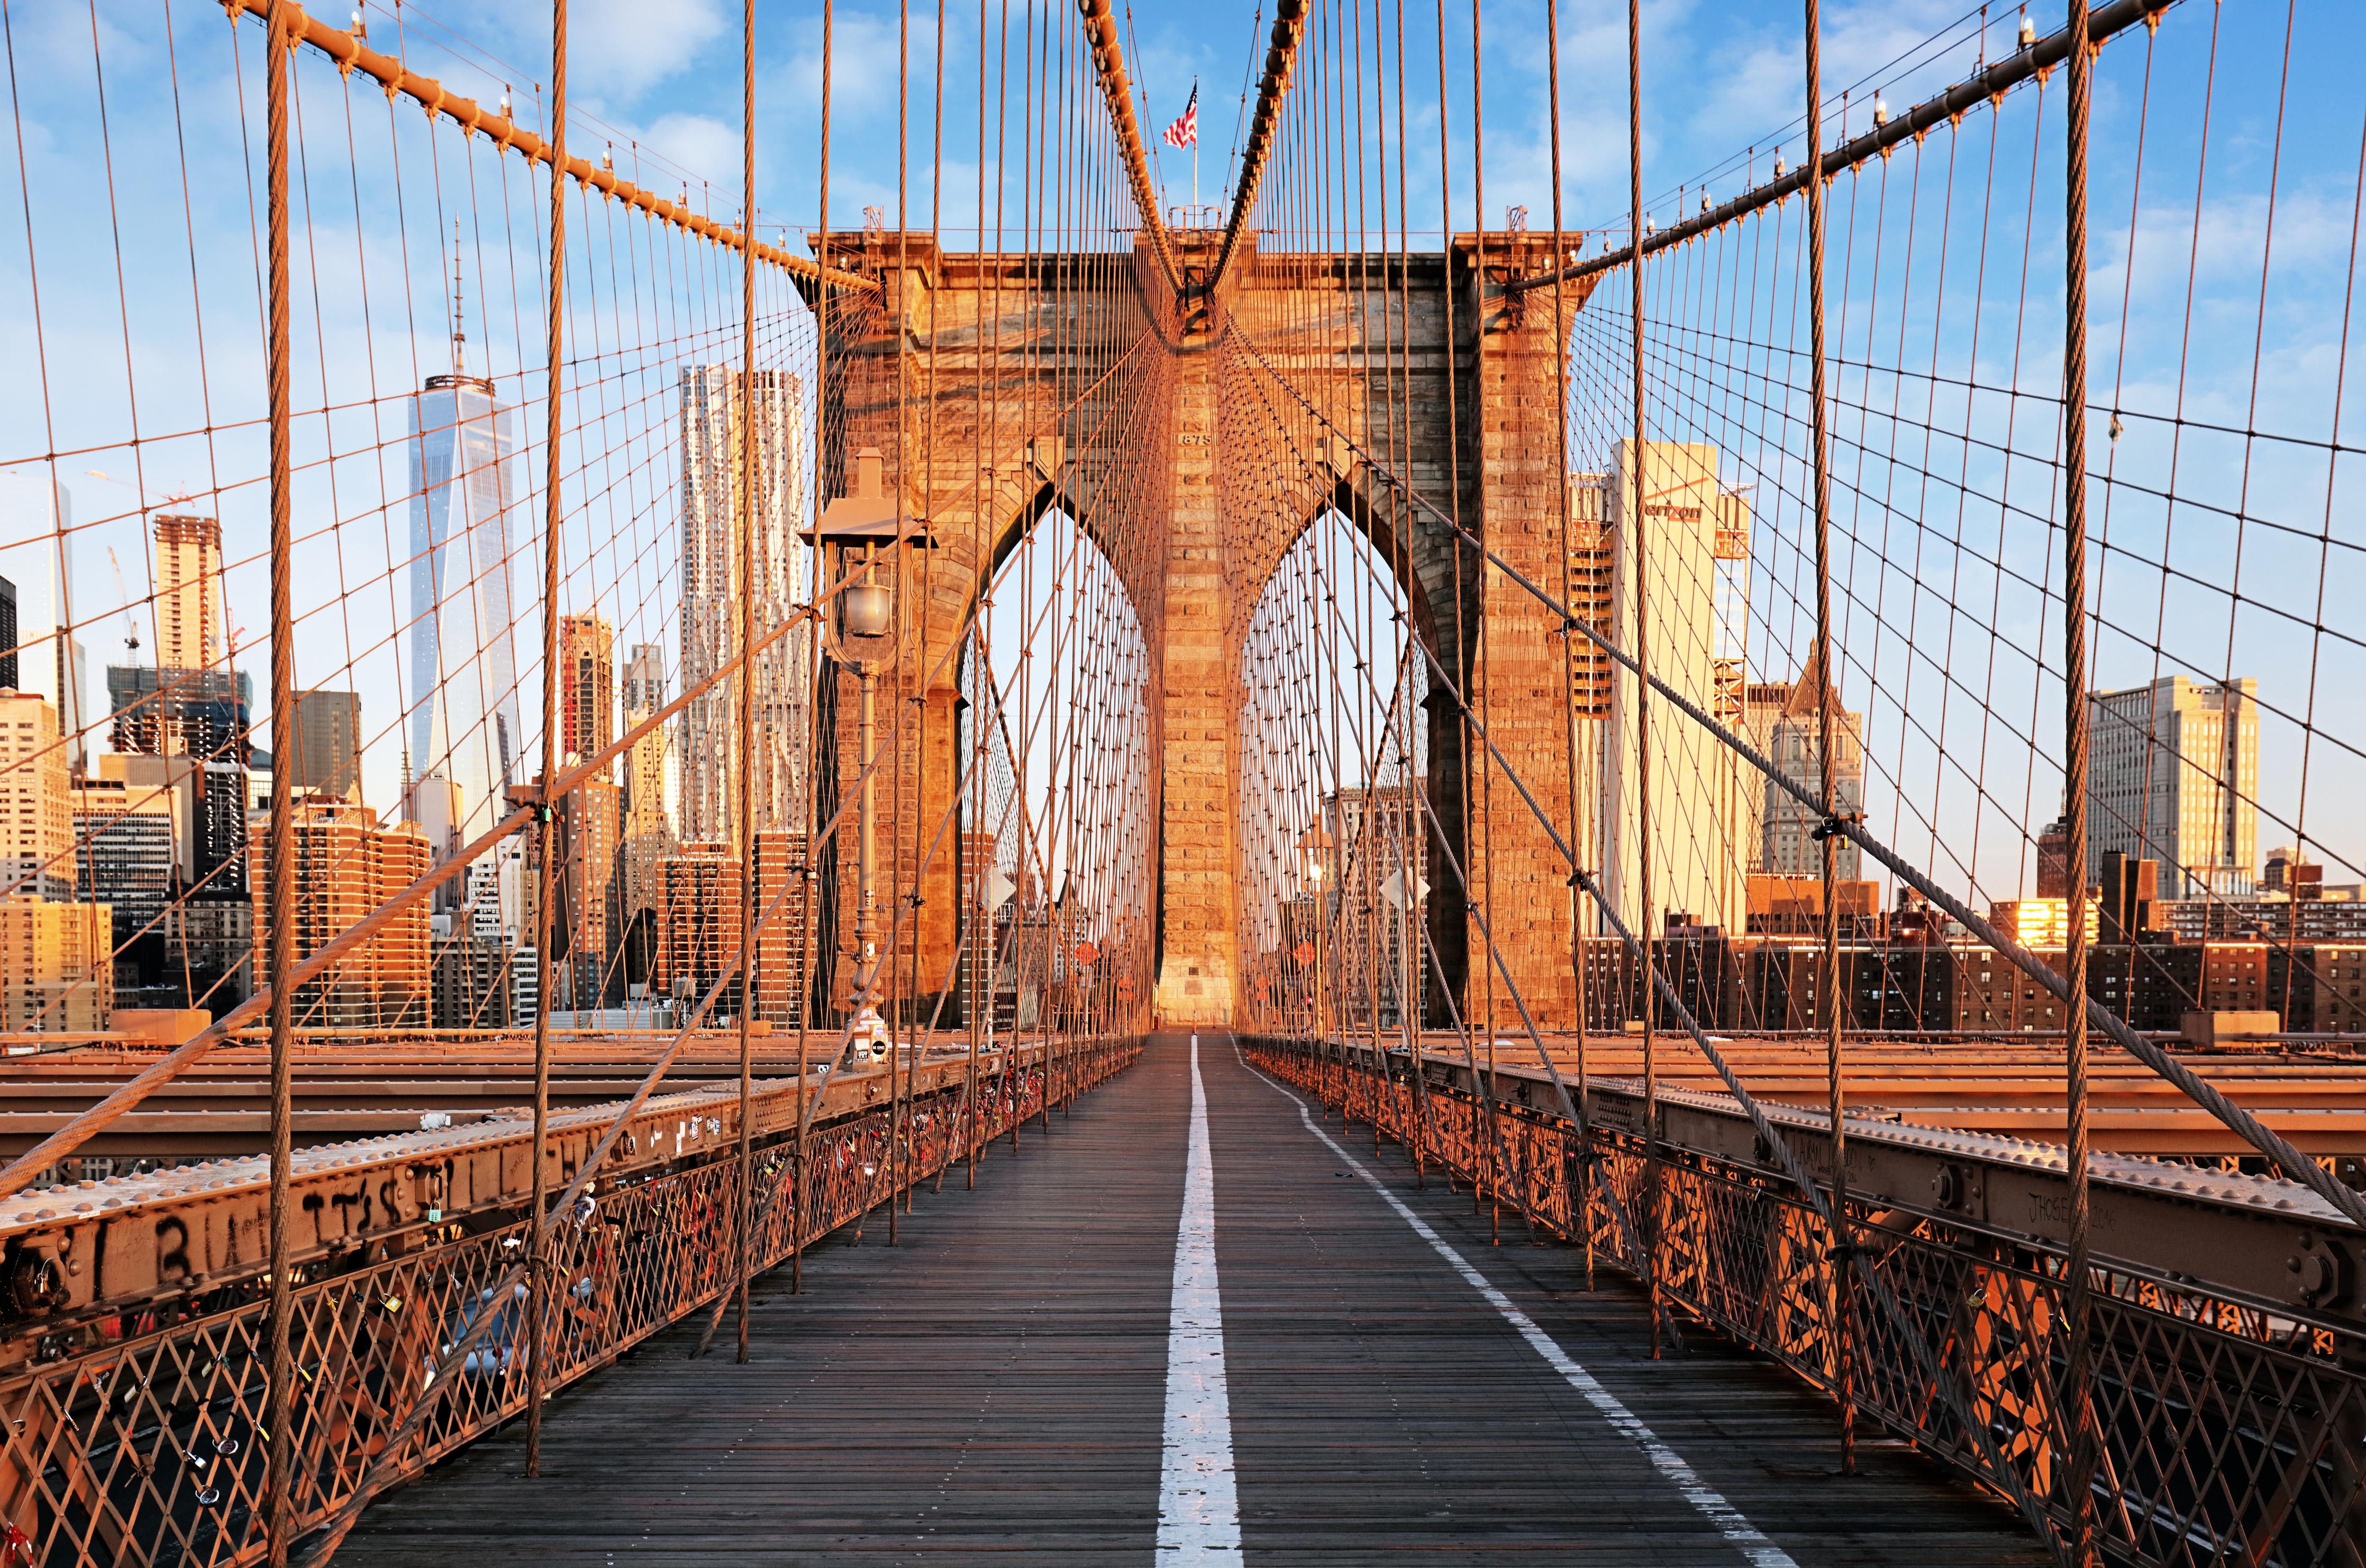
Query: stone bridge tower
{"x": 1412, "y": 394}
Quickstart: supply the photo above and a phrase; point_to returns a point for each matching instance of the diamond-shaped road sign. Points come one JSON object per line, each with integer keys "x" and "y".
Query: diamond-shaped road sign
{"x": 1393, "y": 889}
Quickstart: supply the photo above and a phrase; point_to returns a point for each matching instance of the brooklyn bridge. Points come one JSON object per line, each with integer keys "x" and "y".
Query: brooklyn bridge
{"x": 1553, "y": 833}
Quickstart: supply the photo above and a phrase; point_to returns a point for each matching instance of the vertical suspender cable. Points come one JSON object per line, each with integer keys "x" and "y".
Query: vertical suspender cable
{"x": 1844, "y": 1320}
{"x": 281, "y": 910}
{"x": 982, "y": 680}
{"x": 1636, "y": 552}
{"x": 1412, "y": 931}
{"x": 813, "y": 707}
{"x": 1581, "y": 1196}
{"x": 977, "y": 933}
{"x": 750, "y": 861}
{"x": 1485, "y": 849}
{"x": 2077, "y": 1426}
{"x": 899, "y": 1112}
{"x": 1483, "y": 1164}
{"x": 538, "y": 1273}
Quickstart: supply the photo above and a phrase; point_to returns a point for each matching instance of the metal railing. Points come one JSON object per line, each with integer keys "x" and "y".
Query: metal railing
{"x": 147, "y": 1449}
{"x": 2229, "y": 1430}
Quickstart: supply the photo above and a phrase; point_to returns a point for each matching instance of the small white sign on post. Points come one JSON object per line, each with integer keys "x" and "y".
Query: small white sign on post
{"x": 1393, "y": 889}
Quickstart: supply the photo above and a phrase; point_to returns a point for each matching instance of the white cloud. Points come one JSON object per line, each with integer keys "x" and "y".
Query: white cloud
{"x": 617, "y": 50}
{"x": 626, "y": 47}
{"x": 863, "y": 56}
{"x": 2312, "y": 231}
{"x": 701, "y": 145}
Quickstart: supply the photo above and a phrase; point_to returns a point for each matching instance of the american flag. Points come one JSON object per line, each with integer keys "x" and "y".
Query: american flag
{"x": 1185, "y": 132}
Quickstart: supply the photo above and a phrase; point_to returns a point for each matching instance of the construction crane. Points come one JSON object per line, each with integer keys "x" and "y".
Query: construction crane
{"x": 171, "y": 497}
{"x": 130, "y": 626}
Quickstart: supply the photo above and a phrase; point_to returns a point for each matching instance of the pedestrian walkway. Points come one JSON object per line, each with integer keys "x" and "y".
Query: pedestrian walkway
{"x": 1281, "y": 1343}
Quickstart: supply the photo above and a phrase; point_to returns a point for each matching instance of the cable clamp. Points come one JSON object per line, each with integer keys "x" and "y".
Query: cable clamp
{"x": 1833, "y": 827}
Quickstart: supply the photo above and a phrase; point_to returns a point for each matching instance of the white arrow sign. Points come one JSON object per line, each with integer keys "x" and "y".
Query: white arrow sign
{"x": 997, "y": 890}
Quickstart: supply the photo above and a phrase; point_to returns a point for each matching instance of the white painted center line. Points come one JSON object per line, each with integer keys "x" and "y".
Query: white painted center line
{"x": 1199, "y": 1507}
{"x": 1729, "y": 1521}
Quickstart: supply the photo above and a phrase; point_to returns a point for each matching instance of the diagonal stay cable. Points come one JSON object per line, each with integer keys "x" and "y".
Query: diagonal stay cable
{"x": 87, "y": 1124}
{"x": 2003, "y": 1476}
{"x": 1992, "y": 83}
{"x": 2293, "y": 1165}
{"x": 391, "y": 1453}
{"x": 60, "y": 1144}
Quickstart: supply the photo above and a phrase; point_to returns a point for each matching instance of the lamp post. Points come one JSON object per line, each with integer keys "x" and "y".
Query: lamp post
{"x": 862, "y": 530}
{"x": 1313, "y": 851}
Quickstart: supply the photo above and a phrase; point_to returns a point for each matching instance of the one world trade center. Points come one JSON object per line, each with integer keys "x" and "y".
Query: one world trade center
{"x": 464, "y": 735}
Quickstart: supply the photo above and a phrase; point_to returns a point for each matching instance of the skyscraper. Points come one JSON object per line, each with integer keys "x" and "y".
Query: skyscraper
{"x": 1593, "y": 577}
{"x": 56, "y": 975}
{"x": 1703, "y": 825}
{"x": 345, "y": 866}
{"x": 586, "y": 699}
{"x": 462, "y": 722}
{"x": 1382, "y": 846}
{"x": 323, "y": 752}
{"x": 585, "y": 838}
{"x": 2175, "y": 777}
{"x": 8, "y": 659}
{"x": 37, "y": 834}
{"x": 716, "y": 581}
{"x": 647, "y": 808}
{"x": 646, "y": 836}
{"x": 191, "y": 702}
{"x": 37, "y": 652}
{"x": 1784, "y": 720}
{"x": 189, "y": 592}
{"x": 126, "y": 845}
{"x": 699, "y": 928}
{"x": 645, "y": 680}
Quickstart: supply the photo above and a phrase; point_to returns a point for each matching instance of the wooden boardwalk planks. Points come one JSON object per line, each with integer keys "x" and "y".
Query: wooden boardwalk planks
{"x": 991, "y": 1390}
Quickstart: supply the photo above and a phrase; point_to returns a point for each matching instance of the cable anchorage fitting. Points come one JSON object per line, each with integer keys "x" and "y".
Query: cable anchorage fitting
{"x": 535, "y": 798}
{"x": 1835, "y": 826}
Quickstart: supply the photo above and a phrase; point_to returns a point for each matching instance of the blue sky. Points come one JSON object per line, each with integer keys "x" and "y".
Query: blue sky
{"x": 143, "y": 233}
{"x": 1718, "y": 78}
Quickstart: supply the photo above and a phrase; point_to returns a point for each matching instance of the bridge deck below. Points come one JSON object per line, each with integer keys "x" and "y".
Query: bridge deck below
{"x": 995, "y": 1388}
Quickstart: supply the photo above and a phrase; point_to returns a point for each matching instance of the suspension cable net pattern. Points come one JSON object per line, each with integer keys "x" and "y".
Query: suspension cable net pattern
{"x": 898, "y": 856}
{"x": 1598, "y": 697}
